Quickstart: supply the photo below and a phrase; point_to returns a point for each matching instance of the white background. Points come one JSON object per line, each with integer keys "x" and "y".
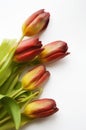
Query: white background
{"x": 67, "y": 84}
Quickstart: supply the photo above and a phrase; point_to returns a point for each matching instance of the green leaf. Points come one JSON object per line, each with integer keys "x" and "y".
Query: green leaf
{"x": 6, "y": 59}
{"x": 9, "y": 84}
{"x": 12, "y": 108}
{"x": 5, "y": 48}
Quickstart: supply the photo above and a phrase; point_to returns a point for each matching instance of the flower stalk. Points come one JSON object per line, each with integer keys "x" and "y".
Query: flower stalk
{"x": 8, "y": 125}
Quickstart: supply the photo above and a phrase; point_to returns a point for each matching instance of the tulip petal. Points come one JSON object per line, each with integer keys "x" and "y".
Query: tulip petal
{"x": 38, "y": 82}
{"x": 54, "y": 47}
{"x": 53, "y": 51}
{"x": 42, "y": 79}
{"x": 56, "y": 56}
{"x": 36, "y": 23}
{"x": 45, "y": 114}
{"x": 32, "y": 17}
{"x": 41, "y": 108}
{"x": 27, "y": 44}
{"x": 33, "y": 75}
{"x": 26, "y": 56}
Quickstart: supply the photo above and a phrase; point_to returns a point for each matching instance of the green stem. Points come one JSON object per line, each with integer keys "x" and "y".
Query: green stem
{"x": 33, "y": 95}
{"x": 4, "y": 120}
{"x": 21, "y": 38}
{"x": 16, "y": 92}
{"x": 0, "y": 106}
{"x": 28, "y": 99}
{"x": 9, "y": 125}
{"x": 19, "y": 93}
{"x": 3, "y": 113}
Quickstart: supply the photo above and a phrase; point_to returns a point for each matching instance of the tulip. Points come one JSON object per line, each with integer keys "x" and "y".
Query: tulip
{"x": 36, "y": 23}
{"x": 40, "y": 108}
{"x": 54, "y": 50}
{"x": 35, "y": 77}
{"x": 27, "y": 50}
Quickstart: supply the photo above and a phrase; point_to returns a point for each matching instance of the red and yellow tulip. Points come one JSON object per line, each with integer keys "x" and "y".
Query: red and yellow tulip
{"x": 27, "y": 50}
{"x": 35, "y": 77}
{"x": 54, "y": 51}
{"x": 41, "y": 108}
{"x": 36, "y": 23}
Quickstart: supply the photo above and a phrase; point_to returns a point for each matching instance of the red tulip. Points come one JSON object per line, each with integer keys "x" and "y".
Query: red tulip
{"x": 36, "y": 23}
{"x": 27, "y": 50}
{"x": 35, "y": 77}
{"x": 54, "y": 50}
{"x": 41, "y": 108}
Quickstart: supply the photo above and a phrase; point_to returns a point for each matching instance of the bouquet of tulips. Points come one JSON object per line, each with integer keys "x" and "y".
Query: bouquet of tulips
{"x": 23, "y": 73}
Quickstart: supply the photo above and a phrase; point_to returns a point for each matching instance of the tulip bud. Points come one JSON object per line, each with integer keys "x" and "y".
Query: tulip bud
{"x": 35, "y": 77}
{"x": 36, "y": 23}
{"x": 27, "y": 50}
{"x": 41, "y": 108}
{"x": 54, "y": 50}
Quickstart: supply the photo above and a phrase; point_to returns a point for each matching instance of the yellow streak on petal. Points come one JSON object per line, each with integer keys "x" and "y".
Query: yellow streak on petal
{"x": 27, "y": 78}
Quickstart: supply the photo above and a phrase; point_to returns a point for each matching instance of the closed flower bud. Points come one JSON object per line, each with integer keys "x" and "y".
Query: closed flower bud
{"x": 54, "y": 51}
{"x": 41, "y": 108}
{"x": 36, "y": 23}
{"x": 35, "y": 77}
{"x": 27, "y": 50}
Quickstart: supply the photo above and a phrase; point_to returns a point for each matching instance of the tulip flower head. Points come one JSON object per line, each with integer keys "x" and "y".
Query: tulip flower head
{"x": 54, "y": 50}
{"x": 41, "y": 108}
{"x": 27, "y": 50}
{"x": 35, "y": 77}
{"x": 36, "y": 23}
